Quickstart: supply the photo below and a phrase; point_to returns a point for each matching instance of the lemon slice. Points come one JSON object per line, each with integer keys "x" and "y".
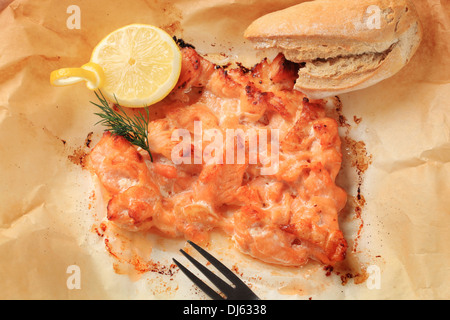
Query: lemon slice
{"x": 138, "y": 65}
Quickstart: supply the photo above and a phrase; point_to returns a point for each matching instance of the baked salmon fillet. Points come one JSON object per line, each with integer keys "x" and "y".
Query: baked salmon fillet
{"x": 279, "y": 203}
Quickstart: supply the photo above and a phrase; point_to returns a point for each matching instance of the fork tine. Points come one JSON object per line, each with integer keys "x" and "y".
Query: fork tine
{"x": 198, "y": 282}
{"x": 218, "y": 282}
{"x": 220, "y": 266}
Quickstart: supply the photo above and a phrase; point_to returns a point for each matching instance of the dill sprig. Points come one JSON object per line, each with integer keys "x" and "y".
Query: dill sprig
{"x": 134, "y": 129}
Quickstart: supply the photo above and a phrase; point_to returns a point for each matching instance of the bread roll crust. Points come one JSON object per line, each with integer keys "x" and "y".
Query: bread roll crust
{"x": 340, "y": 42}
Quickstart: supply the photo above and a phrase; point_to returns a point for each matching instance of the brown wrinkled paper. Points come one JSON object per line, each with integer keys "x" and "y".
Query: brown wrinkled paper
{"x": 396, "y": 170}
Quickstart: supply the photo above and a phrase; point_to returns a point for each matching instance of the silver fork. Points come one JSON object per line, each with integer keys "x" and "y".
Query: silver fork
{"x": 239, "y": 290}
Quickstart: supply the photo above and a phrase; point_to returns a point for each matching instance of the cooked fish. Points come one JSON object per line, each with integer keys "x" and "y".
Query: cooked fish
{"x": 286, "y": 218}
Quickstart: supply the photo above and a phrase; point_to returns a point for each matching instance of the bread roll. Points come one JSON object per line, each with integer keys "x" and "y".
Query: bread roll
{"x": 341, "y": 45}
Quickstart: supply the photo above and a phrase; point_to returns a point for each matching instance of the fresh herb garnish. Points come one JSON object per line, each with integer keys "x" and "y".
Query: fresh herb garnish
{"x": 134, "y": 129}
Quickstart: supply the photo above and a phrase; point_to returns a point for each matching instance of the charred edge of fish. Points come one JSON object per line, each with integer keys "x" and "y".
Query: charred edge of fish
{"x": 182, "y": 44}
{"x": 224, "y": 66}
{"x": 243, "y": 68}
{"x": 254, "y": 95}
